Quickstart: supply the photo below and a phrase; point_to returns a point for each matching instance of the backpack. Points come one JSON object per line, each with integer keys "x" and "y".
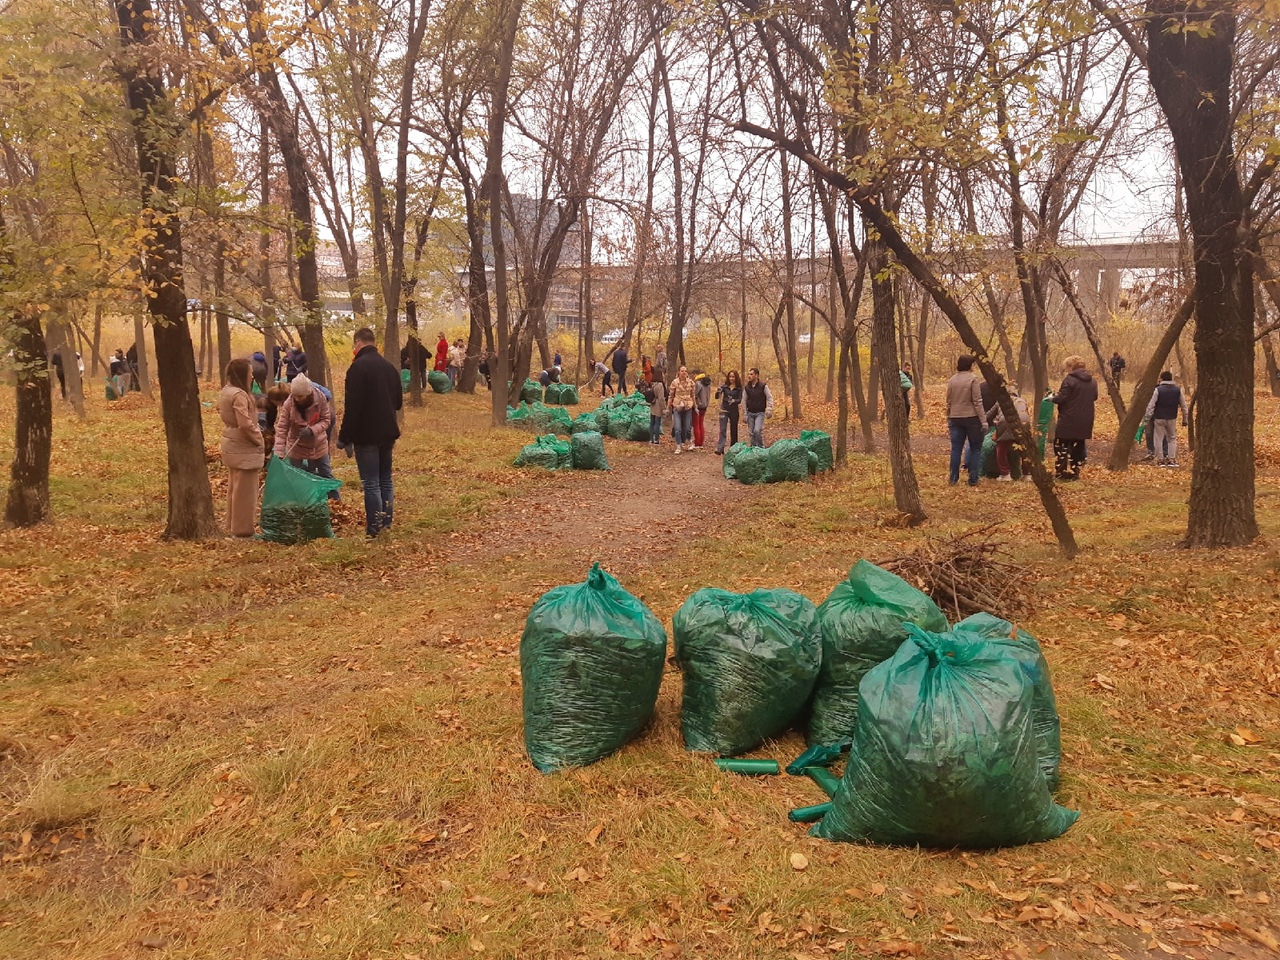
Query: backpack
{"x": 646, "y": 390}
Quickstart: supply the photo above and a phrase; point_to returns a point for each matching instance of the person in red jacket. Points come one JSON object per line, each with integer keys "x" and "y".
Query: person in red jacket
{"x": 442, "y": 354}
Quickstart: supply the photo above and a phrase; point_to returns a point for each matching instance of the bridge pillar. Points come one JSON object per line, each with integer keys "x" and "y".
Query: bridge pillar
{"x": 1087, "y": 282}
{"x": 1111, "y": 289}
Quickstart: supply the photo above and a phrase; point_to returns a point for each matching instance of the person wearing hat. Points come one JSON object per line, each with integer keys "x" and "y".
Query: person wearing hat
{"x": 302, "y": 428}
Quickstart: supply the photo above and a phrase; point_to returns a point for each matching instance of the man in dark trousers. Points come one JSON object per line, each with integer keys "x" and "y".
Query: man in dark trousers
{"x": 620, "y": 361}
{"x": 1117, "y": 364}
{"x": 369, "y": 430}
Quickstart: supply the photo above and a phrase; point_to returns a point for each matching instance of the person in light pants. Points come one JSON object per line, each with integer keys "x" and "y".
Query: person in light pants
{"x": 1162, "y": 418}
{"x": 757, "y": 399}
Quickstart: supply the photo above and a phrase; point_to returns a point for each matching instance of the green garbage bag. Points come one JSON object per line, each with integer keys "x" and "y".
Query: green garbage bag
{"x": 569, "y": 395}
{"x": 617, "y": 423}
{"x": 819, "y": 442}
{"x": 788, "y": 460}
{"x": 752, "y": 465}
{"x": 813, "y": 464}
{"x": 987, "y": 466}
{"x": 518, "y": 416}
{"x": 531, "y": 391}
{"x": 944, "y": 753}
{"x": 1044, "y": 419}
{"x": 405, "y": 377}
{"x": 731, "y": 459}
{"x": 584, "y": 423}
{"x": 295, "y": 504}
{"x": 588, "y": 451}
{"x": 638, "y": 423}
{"x": 1142, "y": 432}
{"x": 1025, "y": 649}
{"x": 749, "y": 662}
{"x": 863, "y": 623}
{"x": 439, "y": 381}
{"x": 602, "y": 417}
{"x": 551, "y": 395}
{"x": 591, "y": 661}
{"x": 548, "y": 452}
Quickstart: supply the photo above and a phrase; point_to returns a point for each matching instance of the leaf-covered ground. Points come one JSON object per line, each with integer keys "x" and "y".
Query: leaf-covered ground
{"x": 241, "y": 750}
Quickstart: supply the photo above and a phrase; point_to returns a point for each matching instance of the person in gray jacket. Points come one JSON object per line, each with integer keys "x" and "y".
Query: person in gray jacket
{"x": 965, "y": 419}
{"x": 656, "y": 393}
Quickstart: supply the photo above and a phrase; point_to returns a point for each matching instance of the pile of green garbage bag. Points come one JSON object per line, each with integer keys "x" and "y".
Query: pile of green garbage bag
{"x": 548, "y": 452}
{"x": 531, "y": 392}
{"x": 863, "y": 622}
{"x": 565, "y": 394}
{"x": 295, "y": 504}
{"x": 591, "y": 661}
{"x": 537, "y": 416}
{"x": 782, "y": 461}
{"x": 751, "y": 465}
{"x": 439, "y": 381}
{"x": 788, "y": 461}
{"x": 585, "y": 422}
{"x": 588, "y": 451}
{"x": 749, "y": 663}
{"x": 819, "y": 444}
{"x": 944, "y": 751}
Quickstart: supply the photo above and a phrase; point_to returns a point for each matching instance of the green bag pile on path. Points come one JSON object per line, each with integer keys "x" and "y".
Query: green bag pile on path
{"x": 295, "y": 504}
{"x": 788, "y": 461}
{"x": 548, "y": 452}
{"x": 531, "y": 391}
{"x": 585, "y": 422}
{"x": 439, "y": 381}
{"x": 863, "y": 623}
{"x": 591, "y": 661}
{"x": 751, "y": 466}
{"x": 749, "y": 662}
{"x": 731, "y": 459}
{"x": 1025, "y": 649}
{"x": 819, "y": 443}
{"x": 588, "y": 451}
{"x": 944, "y": 752}
{"x": 551, "y": 395}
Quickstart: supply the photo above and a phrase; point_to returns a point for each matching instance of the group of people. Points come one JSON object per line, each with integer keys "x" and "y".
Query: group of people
{"x": 301, "y": 416}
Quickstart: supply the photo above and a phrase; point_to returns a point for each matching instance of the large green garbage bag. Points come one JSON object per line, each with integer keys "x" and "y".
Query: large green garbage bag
{"x": 862, "y": 623}
{"x": 617, "y": 423}
{"x": 1044, "y": 419}
{"x": 585, "y": 422}
{"x": 531, "y": 391}
{"x": 601, "y": 415}
{"x": 588, "y": 451}
{"x": 518, "y": 416}
{"x": 987, "y": 466}
{"x": 569, "y": 395}
{"x": 1025, "y": 649}
{"x": 406, "y": 376}
{"x": 558, "y": 419}
{"x": 439, "y": 381}
{"x": 537, "y": 416}
{"x": 551, "y": 395}
{"x": 752, "y": 465}
{"x": 788, "y": 461}
{"x": 944, "y": 754}
{"x": 638, "y": 422}
{"x": 548, "y": 452}
{"x": 819, "y": 442}
{"x": 295, "y": 504}
{"x": 731, "y": 459}
{"x": 591, "y": 661}
{"x": 749, "y": 662}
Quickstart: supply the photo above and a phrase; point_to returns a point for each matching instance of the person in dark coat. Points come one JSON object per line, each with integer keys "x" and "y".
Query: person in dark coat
{"x": 295, "y": 362}
{"x": 406, "y": 358}
{"x": 1076, "y": 400}
{"x": 57, "y": 368}
{"x": 369, "y": 430}
{"x": 620, "y": 361}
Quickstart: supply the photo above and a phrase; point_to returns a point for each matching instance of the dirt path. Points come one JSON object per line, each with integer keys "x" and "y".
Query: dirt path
{"x": 650, "y": 501}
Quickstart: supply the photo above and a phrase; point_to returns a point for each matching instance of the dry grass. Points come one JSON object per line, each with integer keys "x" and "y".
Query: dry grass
{"x": 219, "y": 750}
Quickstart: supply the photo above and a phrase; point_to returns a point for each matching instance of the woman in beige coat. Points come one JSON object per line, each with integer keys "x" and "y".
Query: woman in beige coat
{"x": 241, "y": 447}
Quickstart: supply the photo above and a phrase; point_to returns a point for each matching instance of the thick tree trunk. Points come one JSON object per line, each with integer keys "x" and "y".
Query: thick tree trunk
{"x": 906, "y": 489}
{"x": 1191, "y": 75}
{"x": 144, "y": 364}
{"x": 155, "y": 132}
{"x": 27, "y": 501}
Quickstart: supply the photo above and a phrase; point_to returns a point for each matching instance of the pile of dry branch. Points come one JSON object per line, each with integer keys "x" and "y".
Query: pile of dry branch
{"x": 968, "y": 573}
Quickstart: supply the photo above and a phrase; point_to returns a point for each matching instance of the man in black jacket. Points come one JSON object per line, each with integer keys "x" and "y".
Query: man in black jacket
{"x": 620, "y": 361}
{"x": 369, "y": 429}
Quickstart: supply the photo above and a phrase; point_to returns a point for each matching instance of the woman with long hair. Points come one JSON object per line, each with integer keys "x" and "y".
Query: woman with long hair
{"x": 242, "y": 451}
{"x": 729, "y": 394}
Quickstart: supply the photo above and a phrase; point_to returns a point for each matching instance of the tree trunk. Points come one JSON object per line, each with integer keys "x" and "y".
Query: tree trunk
{"x": 144, "y": 365}
{"x": 27, "y": 500}
{"x": 97, "y": 341}
{"x": 906, "y": 489}
{"x": 842, "y": 408}
{"x": 1191, "y": 75}
{"x": 156, "y": 128}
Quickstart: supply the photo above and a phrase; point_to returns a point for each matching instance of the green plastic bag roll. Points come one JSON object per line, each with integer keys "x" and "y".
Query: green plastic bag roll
{"x": 587, "y": 450}
{"x": 439, "y": 381}
{"x": 591, "y": 661}
{"x": 862, "y": 623}
{"x": 819, "y": 443}
{"x": 788, "y": 462}
{"x": 944, "y": 754}
{"x": 749, "y": 662}
{"x": 1025, "y": 649}
{"x": 295, "y": 504}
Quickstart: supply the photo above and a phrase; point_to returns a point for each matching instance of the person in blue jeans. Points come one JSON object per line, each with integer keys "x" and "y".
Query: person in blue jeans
{"x": 369, "y": 430}
{"x": 757, "y": 399}
{"x": 965, "y": 419}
